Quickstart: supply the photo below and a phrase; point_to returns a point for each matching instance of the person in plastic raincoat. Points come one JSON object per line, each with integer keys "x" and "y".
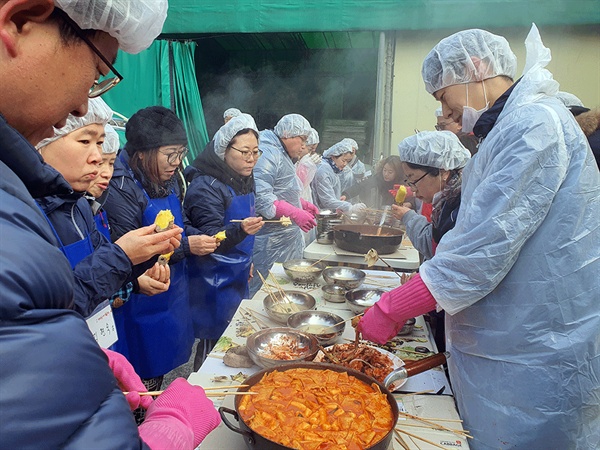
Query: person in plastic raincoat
{"x": 222, "y": 190}
{"x": 518, "y": 274}
{"x": 278, "y": 194}
{"x": 306, "y": 168}
{"x": 327, "y": 185}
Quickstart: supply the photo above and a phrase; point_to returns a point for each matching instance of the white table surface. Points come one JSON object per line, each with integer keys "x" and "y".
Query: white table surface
{"x": 437, "y": 406}
{"x": 332, "y": 253}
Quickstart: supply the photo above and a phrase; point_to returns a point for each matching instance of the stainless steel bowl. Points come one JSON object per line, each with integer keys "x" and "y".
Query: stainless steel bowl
{"x": 263, "y": 346}
{"x": 279, "y": 308}
{"x": 334, "y": 293}
{"x": 408, "y": 327}
{"x": 360, "y": 299}
{"x": 303, "y": 270}
{"x": 325, "y": 326}
{"x": 346, "y": 277}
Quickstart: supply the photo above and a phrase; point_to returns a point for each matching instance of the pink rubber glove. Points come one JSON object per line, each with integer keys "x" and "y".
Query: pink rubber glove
{"x": 180, "y": 418}
{"x": 303, "y": 219}
{"x": 383, "y": 321}
{"x": 309, "y": 207}
{"x": 128, "y": 380}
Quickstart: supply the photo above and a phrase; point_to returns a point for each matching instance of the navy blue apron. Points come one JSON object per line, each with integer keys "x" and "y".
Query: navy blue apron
{"x": 76, "y": 251}
{"x": 102, "y": 223}
{"x": 219, "y": 282}
{"x": 155, "y": 332}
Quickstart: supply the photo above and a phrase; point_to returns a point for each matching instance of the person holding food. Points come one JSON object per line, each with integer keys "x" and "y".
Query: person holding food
{"x": 278, "y": 196}
{"x": 156, "y": 279}
{"x": 432, "y": 162}
{"x": 518, "y": 273}
{"x": 377, "y": 190}
{"x": 59, "y": 389}
{"x": 220, "y": 198}
{"x": 100, "y": 267}
{"x": 327, "y": 185}
{"x": 155, "y": 333}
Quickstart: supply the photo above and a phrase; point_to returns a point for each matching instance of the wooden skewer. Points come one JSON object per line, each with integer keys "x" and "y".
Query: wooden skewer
{"x": 431, "y": 427}
{"x": 343, "y": 321}
{"x": 208, "y": 394}
{"x": 319, "y": 260}
{"x": 401, "y": 442}
{"x": 437, "y": 425}
{"x": 293, "y": 307}
{"x": 420, "y": 438}
{"x": 263, "y": 325}
{"x": 264, "y": 221}
{"x": 416, "y": 393}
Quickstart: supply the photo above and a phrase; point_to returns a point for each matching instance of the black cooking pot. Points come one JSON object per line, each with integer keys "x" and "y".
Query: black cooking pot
{"x": 362, "y": 238}
{"x": 256, "y": 441}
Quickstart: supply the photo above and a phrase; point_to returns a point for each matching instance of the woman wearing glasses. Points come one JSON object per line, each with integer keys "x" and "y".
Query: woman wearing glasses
{"x": 432, "y": 162}
{"x": 155, "y": 333}
{"x": 221, "y": 190}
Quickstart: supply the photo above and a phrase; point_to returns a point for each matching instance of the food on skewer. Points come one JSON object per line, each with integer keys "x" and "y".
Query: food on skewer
{"x": 371, "y": 257}
{"x": 164, "y": 221}
{"x": 400, "y": 195}
{"x": 285, "y": 221}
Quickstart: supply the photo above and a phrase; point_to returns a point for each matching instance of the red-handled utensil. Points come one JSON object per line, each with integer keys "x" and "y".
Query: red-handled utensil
{"x": 414, "y": 368}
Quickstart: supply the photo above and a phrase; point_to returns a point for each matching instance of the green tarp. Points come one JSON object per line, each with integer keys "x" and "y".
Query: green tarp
{"x": 266, "y": 16}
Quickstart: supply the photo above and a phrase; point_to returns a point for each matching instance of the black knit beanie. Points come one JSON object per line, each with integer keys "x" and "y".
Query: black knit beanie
{"x": 153, "y": 127}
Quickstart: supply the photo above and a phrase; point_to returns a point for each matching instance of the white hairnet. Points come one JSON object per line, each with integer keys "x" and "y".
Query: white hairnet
{"x": 98, "y": 112}
{"x": 313, "y": 137}
{"x": 341, "y": 148}
{"x": 227, "y": 132}
{"x": 292, "y": 125}
{"x": 568, "y": 99}
{"x": 438, "y": 112}
{"x": 467, "y": 56}
{"x": 111, "y": 140}
{"x": 351, "y": 142}
{"x": 135, "y": 24}
{"x": 231, "y": 112}
{"x": 440, "y": 149}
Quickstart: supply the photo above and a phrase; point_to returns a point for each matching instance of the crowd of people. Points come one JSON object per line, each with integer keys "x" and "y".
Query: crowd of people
{"x": 503, "y": 207}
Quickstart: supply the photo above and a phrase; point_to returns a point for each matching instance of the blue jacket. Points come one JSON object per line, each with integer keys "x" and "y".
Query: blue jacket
{"x": 100, "y": 274}
{"x": 56, "y": 388}
{"x": 206, "y": 201}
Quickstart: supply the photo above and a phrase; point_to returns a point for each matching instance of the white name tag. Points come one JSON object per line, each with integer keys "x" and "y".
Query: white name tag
{"x": 102, "y": 325}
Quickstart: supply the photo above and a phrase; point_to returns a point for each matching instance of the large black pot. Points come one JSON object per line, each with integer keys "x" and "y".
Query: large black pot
{"x": 256, "y": 441}
{"x": 362, "y": 238}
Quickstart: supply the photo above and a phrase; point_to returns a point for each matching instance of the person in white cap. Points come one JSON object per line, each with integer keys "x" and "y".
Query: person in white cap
{"x": 518, "y": 273}
{"x": 221, "y": 190}
{"x": 278, "y": 194}
{"x": 230, "y": 114}
{"x": 58, "y": 386}
{"x": 306, "y": 169}
{"x": 327, "y": 185}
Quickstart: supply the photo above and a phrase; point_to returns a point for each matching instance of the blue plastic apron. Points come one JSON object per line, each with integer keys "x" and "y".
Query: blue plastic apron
{"x": 102, "y": 223}
{"x": 76, "y": 251}
{"x": 219, "y": 282}
{"x": 155, "y": 332}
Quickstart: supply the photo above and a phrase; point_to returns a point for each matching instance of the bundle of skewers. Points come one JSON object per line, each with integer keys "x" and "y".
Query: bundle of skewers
{"x": 280, "y": 299}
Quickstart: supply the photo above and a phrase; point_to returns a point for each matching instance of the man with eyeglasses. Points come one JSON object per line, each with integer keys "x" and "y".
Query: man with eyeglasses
{"x": 57, "y": 388}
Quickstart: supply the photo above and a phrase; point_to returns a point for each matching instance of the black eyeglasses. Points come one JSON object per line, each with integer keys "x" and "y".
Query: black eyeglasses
{"x": 248, "y": 154}
{"x": 413, "y": 184}
{"x": 442, "y": 126}
{"x": 177, "y": 155}
{"x": 99, "y": 87}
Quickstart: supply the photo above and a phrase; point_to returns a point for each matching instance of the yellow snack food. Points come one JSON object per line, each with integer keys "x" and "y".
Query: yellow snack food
{"x": 285, "y": 221}
{"x": 164, "y": 220}
{"x": 400, "y": 195}
{"x": 220, "y": 236}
